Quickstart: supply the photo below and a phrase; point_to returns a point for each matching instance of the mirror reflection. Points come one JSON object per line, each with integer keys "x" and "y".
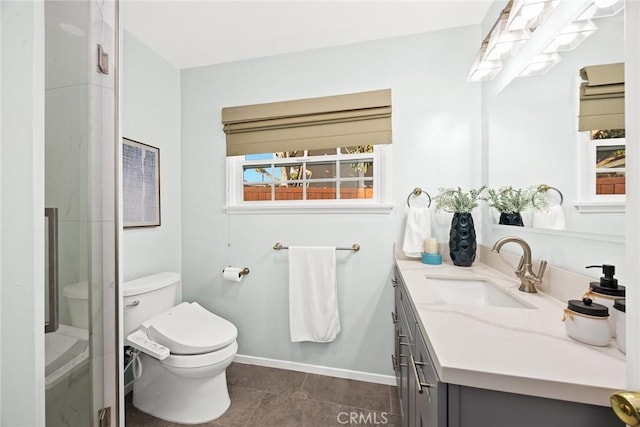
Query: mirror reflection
{"x": 533, "y": 138}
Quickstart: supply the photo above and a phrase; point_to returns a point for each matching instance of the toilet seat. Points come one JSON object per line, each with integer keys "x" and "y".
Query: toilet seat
{"x": 201, "y": 360}
{"x": 189, "y": 329}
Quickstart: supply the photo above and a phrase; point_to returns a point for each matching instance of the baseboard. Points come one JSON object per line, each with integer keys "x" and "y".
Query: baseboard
{"x": 315, "y": 369}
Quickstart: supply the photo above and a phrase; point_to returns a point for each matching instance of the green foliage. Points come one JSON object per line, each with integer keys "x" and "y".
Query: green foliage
{"x": 513, "y": 200}
{"x": 360, "y": 167}
{"x": 607, "y": 133}
{"x": 456, "y": 200}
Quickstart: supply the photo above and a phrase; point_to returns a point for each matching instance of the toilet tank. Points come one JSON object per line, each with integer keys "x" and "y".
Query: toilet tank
{"x": 147, "y": 297}
{"x": 77, "y": 297}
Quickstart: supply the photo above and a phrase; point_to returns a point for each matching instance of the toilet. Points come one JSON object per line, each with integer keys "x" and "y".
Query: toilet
{"x": 77, "y": 297}
{"x": 189, "y": 386}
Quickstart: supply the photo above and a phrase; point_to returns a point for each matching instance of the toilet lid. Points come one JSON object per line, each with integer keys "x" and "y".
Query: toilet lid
{"x": 78, "y": 290}
{"x": 190, "y": 329}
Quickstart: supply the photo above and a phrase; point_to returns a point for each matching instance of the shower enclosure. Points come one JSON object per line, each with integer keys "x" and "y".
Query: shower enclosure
{"x": 81, "y": 213}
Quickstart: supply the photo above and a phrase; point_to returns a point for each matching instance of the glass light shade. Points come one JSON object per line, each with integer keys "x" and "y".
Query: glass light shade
{"x": 529, "y": 14}
{"x": 540, "y": 64}
{"x": 601, "y": 4}
{"x": 484, "y": 69}
{"x": 602, "y": 9}
{"x": 571, "y": 36}
{"x": 503, "y": 43}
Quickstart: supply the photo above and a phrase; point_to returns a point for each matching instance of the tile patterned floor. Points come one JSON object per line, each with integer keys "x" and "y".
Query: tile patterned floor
{"x": 269, "y": 397}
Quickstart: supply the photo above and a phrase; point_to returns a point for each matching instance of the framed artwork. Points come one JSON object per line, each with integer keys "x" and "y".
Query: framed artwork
{"x": 140, "y": 184}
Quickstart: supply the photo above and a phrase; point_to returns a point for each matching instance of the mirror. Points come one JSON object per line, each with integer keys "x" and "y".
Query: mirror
{"x": 531, "y": 127}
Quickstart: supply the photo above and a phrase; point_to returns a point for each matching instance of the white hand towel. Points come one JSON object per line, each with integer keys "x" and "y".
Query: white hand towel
{"x": 313, "y": 294}
{"x": 552, "y": 218}
{"x": 418, "y": 229}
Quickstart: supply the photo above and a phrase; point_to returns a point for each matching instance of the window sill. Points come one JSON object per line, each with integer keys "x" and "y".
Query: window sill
{"x": 324, "y": 208}
{"x": 600, "y": 206}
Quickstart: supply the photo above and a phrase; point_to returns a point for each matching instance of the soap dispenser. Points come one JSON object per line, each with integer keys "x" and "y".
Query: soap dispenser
{"x": 606, "y": 292}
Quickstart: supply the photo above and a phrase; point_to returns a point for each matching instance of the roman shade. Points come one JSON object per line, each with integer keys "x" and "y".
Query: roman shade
{"x": 309, "y": 124}
{"x": 602, "y": 97}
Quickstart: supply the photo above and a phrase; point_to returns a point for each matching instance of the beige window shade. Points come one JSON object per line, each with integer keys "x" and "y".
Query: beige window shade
{"x": 602, "y": 97}
{"x": 309, "y": 124}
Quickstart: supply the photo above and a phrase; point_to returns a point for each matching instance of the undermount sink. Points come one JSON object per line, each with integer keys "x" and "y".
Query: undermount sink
{"x": 473, "y": 291}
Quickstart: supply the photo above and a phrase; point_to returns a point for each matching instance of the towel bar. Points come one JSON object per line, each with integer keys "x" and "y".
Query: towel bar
{"x": 356, "y": 247}
{"x": 416, "y": 192}
{"x": 543, "y": 188}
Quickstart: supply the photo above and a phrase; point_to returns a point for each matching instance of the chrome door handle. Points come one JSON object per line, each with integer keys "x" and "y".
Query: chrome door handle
{"x": 395, "y": 282}
{"x": 133, "y": 304}
{"x": 394, "y": 318}
{"x": 51, "y": 322}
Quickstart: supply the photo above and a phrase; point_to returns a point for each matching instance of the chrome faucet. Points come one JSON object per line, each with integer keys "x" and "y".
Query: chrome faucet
{"x": 528, "y": 279}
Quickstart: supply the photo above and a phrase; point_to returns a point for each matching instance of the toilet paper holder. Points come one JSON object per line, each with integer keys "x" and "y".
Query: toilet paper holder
{"x": 242, "y": 272}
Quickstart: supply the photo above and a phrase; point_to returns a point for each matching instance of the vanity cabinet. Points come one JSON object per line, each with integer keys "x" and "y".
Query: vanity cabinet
{"x": 426, "y": 401}
{"x": 422, "y": 396}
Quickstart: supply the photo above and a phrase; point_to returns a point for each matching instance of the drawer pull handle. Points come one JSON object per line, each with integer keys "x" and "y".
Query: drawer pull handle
{"x": 400, "y": 336}
{"x": 419, "y": 382}
{"x": 133, "y": 304}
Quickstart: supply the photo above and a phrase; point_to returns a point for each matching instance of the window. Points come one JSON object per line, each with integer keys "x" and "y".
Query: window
{"x": 345, "y": 178}
{"x": 309, "y": 154}
{"x": 601, "y": 139}
{"x": 609, "y": 165}
{"x": 602, "y": 171}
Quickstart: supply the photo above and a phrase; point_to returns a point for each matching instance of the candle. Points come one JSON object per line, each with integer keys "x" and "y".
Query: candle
{"x": 431, "y": 246}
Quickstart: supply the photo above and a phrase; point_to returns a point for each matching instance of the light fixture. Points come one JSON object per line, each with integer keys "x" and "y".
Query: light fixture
{"x": 503, "y": 43}
{"x": 571, "y": 36}
{"x": 484, "y": 69}
{"x": 540, "y": 64}
{"x": 601, "y": 4}
{"x": 602, "y": 9}
{"x": 529, "y": 14}
{"x": 516, "y": 24}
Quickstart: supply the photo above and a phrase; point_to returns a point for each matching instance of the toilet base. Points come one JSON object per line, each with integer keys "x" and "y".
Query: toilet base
{"x": 183, "y": 399}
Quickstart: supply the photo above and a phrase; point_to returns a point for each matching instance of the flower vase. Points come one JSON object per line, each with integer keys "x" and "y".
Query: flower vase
{"x": 462, "y": 240}
{"x": 511, "y": 218}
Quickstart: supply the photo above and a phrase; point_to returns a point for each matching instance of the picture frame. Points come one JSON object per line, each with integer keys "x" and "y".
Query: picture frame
{"x": 140, "y": 184}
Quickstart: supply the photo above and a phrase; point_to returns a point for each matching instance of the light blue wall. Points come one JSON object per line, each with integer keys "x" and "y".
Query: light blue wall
{"x": 436, "y": 128}
{"x": 22, "y": 398}
{"x": 151, "y": 114}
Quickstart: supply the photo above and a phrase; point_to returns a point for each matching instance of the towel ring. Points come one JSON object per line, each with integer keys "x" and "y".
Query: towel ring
{"x": 417, "y": 192}
{"x": 543, "y": 188}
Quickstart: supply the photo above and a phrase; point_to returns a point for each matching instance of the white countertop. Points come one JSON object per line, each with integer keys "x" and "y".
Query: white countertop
{"x": 515, "y": 350}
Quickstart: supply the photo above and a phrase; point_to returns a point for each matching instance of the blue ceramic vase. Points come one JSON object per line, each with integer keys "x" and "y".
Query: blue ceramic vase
{"x": 462, "y": 240}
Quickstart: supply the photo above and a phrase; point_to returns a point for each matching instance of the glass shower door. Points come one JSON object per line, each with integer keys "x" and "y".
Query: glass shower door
{"x": 80, "y": 339}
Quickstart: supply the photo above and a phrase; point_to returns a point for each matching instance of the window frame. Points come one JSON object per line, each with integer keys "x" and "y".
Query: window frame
{"x": 378, "y": 204}
{"x": 589, "y": 201}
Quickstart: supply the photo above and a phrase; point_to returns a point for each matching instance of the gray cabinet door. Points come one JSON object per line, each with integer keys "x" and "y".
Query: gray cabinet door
{"x": 431, "y": 404}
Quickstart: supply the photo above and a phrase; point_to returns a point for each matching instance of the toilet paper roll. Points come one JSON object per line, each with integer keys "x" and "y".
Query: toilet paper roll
{"x": 232, "y": 273}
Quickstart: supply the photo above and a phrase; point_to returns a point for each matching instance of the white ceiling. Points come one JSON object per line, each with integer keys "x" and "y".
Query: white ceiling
{"x": 195, "y": 33}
